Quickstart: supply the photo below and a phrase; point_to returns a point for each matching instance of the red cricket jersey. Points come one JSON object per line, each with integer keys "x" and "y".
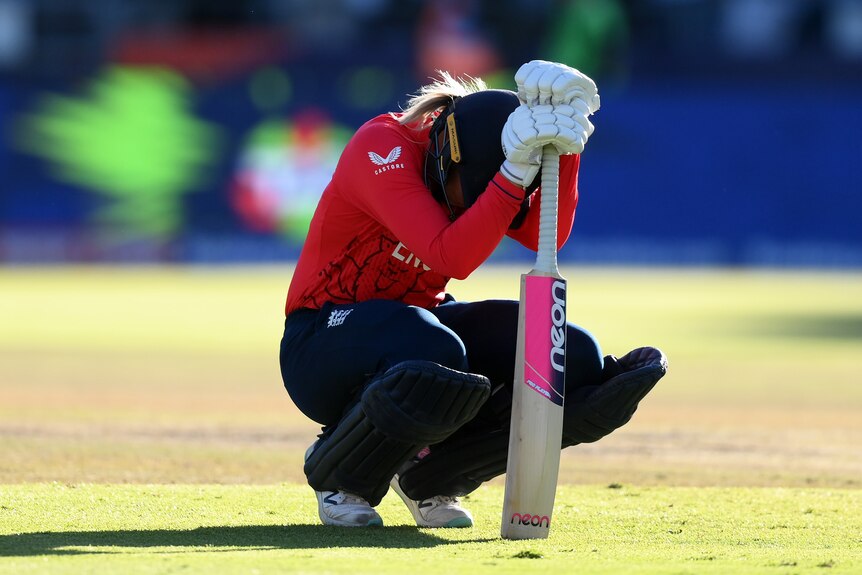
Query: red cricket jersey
{"x": 377, "y": 232}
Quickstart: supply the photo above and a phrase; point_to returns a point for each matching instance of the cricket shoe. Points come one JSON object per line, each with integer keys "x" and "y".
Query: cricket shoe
{"x": 438, "y": 511}
{"x": 344, "y": 509}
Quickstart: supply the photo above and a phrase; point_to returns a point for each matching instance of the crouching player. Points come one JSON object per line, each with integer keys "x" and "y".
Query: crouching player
{"x": 412, "y": 387}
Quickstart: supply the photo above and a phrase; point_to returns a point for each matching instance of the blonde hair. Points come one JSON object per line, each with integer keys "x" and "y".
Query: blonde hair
{"x": 436, "y": 95}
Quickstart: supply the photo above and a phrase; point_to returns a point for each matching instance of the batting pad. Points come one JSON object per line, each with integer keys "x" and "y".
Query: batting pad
{"x": 457, "y": 466}
{"x": 411, "y": 405}
{"x": 464, "y": 461}
{"x": 612, "y": 404}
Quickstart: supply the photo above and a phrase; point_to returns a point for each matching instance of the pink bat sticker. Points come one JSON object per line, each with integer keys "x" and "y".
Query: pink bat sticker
{"x": 545, "y": 336}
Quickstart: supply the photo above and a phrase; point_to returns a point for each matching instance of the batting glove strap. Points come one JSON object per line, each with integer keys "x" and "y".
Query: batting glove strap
{"x": 521, "y": 175}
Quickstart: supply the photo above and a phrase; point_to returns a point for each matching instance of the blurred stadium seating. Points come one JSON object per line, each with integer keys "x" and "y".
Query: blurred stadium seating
{"x": 204, "y": 130}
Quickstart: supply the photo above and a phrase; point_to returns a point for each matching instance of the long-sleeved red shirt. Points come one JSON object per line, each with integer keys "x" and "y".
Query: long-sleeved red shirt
{"x": 378, "y": 233}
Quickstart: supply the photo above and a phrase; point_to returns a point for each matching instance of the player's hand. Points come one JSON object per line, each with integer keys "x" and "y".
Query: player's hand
{"x": 540, "y": 82}
{"x": 566, "y": 127}
{"x": 522, "y": 147}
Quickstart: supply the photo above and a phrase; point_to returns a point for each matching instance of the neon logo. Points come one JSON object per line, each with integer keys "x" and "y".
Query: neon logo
{"x": 558, "y": 327}
{"x": 531, "y": 520}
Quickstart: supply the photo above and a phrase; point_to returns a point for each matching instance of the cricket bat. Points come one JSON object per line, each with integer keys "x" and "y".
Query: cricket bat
{"x": 537, "y": 405}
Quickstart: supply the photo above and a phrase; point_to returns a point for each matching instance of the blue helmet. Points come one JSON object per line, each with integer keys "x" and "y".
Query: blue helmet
{"x": 471, "y": 126}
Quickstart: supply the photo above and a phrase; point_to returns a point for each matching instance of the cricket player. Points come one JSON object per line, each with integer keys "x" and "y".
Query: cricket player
{"x": 412, "y": 387}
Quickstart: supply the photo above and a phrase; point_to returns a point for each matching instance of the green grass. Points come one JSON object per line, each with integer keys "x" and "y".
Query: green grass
{"x": 127, "y": 394}
{"x": 55, "y": 528}
{"x": 699, "y": 313}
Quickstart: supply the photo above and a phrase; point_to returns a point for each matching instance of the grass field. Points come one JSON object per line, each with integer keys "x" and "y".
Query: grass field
{"x": 143, "y": 429}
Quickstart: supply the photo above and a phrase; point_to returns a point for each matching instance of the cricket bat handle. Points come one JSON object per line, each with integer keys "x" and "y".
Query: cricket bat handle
{"x": 546, "y": 255}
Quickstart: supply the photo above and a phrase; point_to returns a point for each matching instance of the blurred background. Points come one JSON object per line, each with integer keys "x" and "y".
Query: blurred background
{"x": 203, "y": 131}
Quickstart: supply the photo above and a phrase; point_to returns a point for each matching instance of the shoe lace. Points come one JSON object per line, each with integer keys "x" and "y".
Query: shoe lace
{"x": 352, "y": 499}
{"x": 443, "y": 500}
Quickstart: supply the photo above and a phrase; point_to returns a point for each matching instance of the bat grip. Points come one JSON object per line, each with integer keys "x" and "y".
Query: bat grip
{"x": 546, "y": 255}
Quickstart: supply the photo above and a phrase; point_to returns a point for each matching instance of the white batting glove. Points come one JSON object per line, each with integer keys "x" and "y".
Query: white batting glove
{"x": 540, "y": 82}
{"x": 566, "y": 127}
{"x": 522, "y": 147}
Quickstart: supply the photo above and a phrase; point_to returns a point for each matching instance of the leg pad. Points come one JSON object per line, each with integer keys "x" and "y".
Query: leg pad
{"x": 411, "y": 405}
{"x": 612, "y": 404}
{"x": 472, "y": 456}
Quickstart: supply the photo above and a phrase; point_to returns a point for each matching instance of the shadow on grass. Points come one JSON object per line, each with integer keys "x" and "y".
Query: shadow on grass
{"x": 211, "y": 539}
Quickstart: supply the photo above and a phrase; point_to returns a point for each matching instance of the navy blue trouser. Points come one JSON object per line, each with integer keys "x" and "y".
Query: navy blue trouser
{"x": 328, "y": 356}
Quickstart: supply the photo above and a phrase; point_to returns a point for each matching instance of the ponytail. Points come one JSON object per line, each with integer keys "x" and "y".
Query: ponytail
{"x": 439, "y": 94}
